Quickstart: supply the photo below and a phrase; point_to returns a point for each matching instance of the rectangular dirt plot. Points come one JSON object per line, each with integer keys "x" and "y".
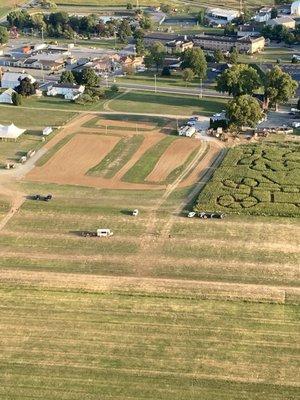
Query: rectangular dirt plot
{"x": 175, "y": 155}
{"x": 73, "y": 160}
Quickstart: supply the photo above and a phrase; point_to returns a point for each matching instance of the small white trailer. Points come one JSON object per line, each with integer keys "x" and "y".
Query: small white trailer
{"x": 187, "y": 131}
{"x": 104, "y": 232}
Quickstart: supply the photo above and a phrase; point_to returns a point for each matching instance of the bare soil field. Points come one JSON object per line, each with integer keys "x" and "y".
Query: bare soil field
{"x": 176, "y": 154}
{"x": 71, "y": 161}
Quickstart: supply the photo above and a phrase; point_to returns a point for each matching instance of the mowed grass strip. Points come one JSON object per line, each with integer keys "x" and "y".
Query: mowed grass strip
{"x": 118, "y": 157}
{"x": 166, "y": 104}
{"x": 142, "y": 168}
{"x": 65, "y": 345}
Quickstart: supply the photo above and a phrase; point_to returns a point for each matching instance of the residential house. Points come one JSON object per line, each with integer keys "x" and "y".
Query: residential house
{"x": 263, "y": 15}
{"x": 68, "y": 91}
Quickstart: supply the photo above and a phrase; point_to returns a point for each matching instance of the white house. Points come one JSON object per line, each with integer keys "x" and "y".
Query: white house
{"x": 263, "y": 15}
{"x": 6, "y": 97}
{"x": 69, "y": 91}
{"x": 12, "y": 79}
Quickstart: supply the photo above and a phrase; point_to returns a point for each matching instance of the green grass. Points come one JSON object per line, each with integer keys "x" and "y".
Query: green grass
{"x": 142, "y": 168}
{"x": 117, "y": 158}
{"x": 269, "y": 55}
{"x": 70, "y": 345}
{"x": 12, "y": 151}
{"x": 30, "y": 118}
{"x": 166, "y": 104}
{"x": 256, "y": 179}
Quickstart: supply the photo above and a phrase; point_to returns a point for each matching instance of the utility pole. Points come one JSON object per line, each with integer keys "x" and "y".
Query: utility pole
{"x": 137, "y": 4}
{"x": 201, "y": 88}
{"x": 155, "y": 85}
{"x": 42, "y": 34}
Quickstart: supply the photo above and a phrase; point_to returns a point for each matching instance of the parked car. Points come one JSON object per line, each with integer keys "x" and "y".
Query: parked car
{"x": 191, "y": 214}
{"x": 135, "y": 212}
{"x": 41, "y": 197}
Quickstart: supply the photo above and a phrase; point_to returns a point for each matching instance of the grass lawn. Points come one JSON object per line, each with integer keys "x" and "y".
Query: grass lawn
{"x": 30, "y": 118}
{"x": 269, "y": 55}
{"x": 70, "y": 345}
{"x": 166, "y": 104}
{"x": 11, "y": 151}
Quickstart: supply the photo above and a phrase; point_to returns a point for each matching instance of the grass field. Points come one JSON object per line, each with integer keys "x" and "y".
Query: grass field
{"x": 68, "y": 345}
{"x": 166, "y": 104}
{"x": 256, "y": 179}
{"x": 168, "y": 308}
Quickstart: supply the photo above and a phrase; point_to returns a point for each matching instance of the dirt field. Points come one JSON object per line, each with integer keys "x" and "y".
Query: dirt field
{"x": 176, "y": 155}
{"x": 89, "y": 145}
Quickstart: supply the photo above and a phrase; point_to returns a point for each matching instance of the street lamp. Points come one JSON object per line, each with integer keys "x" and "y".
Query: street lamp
{"x": 201, "y": 88}
{"x": 155, "y": 85}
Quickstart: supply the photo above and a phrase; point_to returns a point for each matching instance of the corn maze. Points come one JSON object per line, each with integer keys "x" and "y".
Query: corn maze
{"x": 256, "y": 179}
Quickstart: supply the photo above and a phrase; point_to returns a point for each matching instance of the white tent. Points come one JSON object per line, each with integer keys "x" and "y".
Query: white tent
{"x": 10, "y": 131}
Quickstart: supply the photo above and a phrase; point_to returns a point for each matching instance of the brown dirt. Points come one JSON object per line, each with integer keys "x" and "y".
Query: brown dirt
{"x": 175, "y": 155}
{"x": 71, "y": 162}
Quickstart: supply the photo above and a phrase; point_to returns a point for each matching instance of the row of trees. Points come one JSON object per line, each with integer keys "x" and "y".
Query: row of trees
{"x": 60, "y": 24}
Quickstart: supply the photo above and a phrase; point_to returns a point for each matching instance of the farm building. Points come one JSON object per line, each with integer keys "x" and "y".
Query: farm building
{"x": 10, "y": 132}
{"x": 221, "y": 16}
{"x": 12, "y": 79}
{"x": 69, "y": 91}
{"x": 286, "y": 22}
{"x": 6, "y": 97}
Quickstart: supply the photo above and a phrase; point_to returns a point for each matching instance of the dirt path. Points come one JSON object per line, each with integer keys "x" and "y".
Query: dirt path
{"x": 16, "y": 199}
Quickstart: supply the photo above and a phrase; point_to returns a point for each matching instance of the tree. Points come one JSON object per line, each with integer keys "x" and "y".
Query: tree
{"x": 67, "y": 77}
{"x": 274, "y": 13}
{"x": 59, "y": 18}
{"x": 244, "y": 111}
{"x": 233, "y": 56}
{"x": 124, "y": 30}
{"x": 166, "y": 8}
{"x": 16, "y": 99}
{"x": 195, "y": 60}
{"x": 166, "y": 71}
{"x": 298, "y": 104}
{"x": 140, "y": 47}
{"x": 88, "y": 77}
{"x": 219, "y": 56}
{"x": 201, "y": 17}
{"x": 188, "y": 75}
{"x": 26, "y": 88}
{"x": 239, "y": 79}
{"x": 129, "y": 6}
{"x": 156, "y": 55}
{"x": 3, "y": 35}
{"x": 229, "y": 30}
{"x": 279, "y": 86}
{"x": 114, "y": 89}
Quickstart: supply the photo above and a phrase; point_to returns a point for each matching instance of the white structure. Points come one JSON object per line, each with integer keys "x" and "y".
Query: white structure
{"x": 263, "y": 15}
{"x": 295, "y": 8}
{"x": 47, "y": 131}
{"x": 6, "y": 97}
{"x": 69, "y": 91}
{"x": 12, "y": 79}
{"x": 187, "y": 131}
{"x": 222, "y": 15}
{"x": 10, "y": 132}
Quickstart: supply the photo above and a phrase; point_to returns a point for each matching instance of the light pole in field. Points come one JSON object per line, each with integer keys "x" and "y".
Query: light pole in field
{"x": 155, "y": 84}
{"x": 201, "y": 88}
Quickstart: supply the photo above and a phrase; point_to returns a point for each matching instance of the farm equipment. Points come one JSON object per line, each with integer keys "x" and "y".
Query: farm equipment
{"x": 10, "y": 166}
{"x": 41, "y": 197}
{"x": 135, "y": 212}
{"x": 206, "y": 215}
{"x": 191, "y": 214}
{"x": 98, "y": 233}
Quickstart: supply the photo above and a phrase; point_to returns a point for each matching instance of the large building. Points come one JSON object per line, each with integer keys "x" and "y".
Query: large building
{"x": 247, "y": 44}
{"x": 221, "y": 16}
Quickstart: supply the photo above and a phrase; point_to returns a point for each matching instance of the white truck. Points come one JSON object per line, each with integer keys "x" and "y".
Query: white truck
{"x": 187, "y": 131}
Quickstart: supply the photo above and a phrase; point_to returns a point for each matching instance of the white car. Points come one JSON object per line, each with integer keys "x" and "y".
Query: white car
{"x": 191, "y": 214}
